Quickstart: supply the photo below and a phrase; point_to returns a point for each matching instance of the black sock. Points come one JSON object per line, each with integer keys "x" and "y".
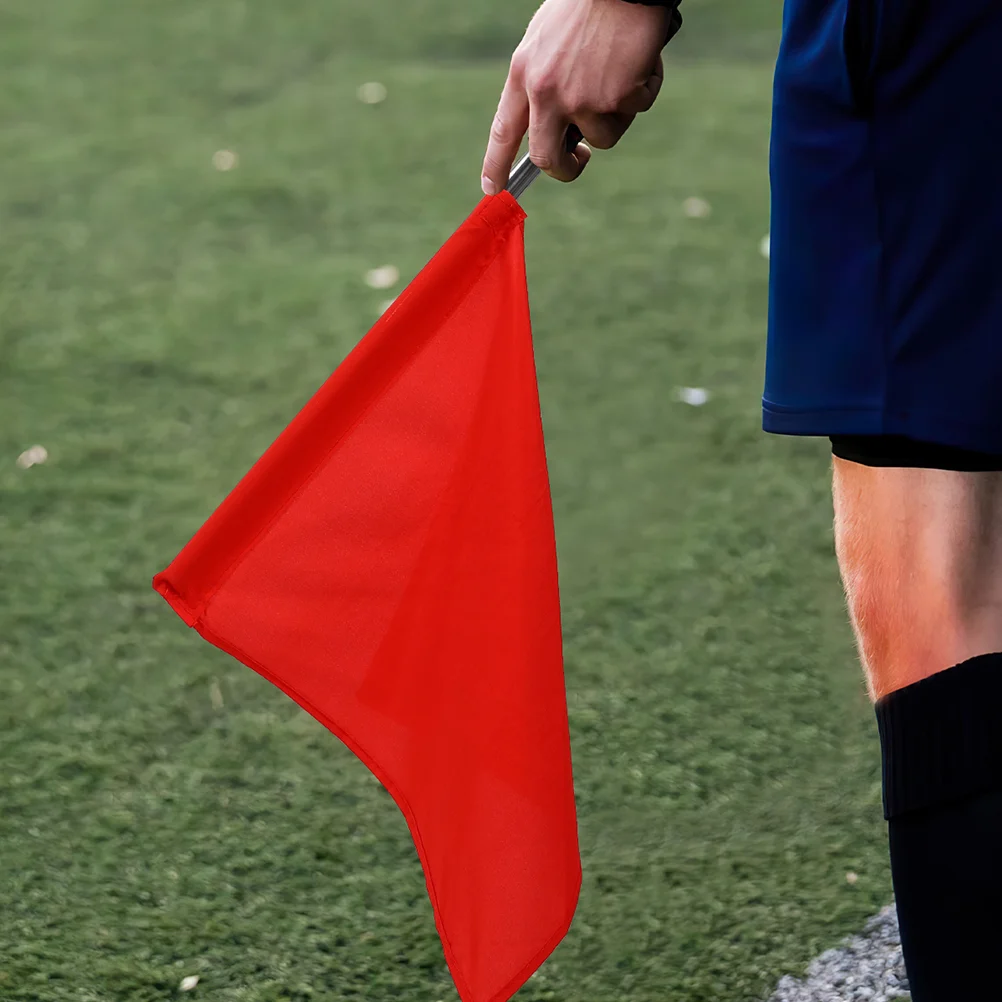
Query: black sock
{"x": 941, "y": 742}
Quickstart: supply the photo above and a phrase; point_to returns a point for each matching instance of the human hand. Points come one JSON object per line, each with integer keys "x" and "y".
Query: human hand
{"x": 596, "y": 63}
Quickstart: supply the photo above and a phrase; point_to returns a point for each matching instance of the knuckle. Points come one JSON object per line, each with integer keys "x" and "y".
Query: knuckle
{"x": 499, "y": 130}
{"x": 541, "y": 85}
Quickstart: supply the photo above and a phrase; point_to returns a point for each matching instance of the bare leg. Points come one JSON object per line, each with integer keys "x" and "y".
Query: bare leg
{"x": 920, "y": 554}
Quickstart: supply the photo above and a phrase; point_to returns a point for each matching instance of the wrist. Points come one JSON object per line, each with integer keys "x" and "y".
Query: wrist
{"x": 666, "y": 11}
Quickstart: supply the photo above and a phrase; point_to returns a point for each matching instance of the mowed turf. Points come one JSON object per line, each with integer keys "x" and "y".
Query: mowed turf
{"x": 165, "y": 812}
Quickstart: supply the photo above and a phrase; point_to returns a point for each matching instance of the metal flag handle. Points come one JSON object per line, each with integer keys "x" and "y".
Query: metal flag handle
{"x": 525, "y": 171}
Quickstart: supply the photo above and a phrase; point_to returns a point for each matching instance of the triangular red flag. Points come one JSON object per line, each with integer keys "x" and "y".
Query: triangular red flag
{"x": 390, "y": 563}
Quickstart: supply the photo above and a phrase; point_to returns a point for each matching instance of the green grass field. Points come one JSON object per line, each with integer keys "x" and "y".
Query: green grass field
{"x": 165, "y": 812}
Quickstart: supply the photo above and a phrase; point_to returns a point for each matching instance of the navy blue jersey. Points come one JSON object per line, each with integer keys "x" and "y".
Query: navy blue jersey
{"x": 885, "y": 290}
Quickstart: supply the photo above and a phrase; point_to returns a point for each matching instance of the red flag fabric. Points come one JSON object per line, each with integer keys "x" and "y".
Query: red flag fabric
{"x": 390, "y": 564}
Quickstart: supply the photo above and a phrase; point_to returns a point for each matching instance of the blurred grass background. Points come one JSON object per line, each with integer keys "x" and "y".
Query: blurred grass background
{"x": 165, "y": 812}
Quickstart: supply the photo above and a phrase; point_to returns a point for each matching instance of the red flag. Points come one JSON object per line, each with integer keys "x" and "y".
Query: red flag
{"x": 390, "y": 563}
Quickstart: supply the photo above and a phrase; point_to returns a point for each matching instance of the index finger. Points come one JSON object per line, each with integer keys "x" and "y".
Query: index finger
{"x": 511, "y": 121}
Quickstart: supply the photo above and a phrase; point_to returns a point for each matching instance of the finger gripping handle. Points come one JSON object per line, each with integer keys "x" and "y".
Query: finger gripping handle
{"x": 525, "y": 171}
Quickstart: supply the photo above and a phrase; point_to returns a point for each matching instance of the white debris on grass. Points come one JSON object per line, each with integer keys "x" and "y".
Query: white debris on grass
{"x": 382, "y": 278}
{"x": 372, "y": 93}
{"x": 189, "y": 982}
{"x": 763, "y": 247}
{"x": 32, "y": 457}
{"x": 695, "y": 396}
{"x": 696, "y": 208}
{"x": 224, "y": 159}
{"x": 869, "y": 967}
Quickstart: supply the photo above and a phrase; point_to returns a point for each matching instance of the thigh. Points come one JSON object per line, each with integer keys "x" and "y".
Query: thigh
{"x": 920, "y": 555}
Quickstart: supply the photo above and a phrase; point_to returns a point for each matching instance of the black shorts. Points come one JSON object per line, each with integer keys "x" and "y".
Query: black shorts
{"x": 898, "y": 450}
{"x": 885, "y": 260}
